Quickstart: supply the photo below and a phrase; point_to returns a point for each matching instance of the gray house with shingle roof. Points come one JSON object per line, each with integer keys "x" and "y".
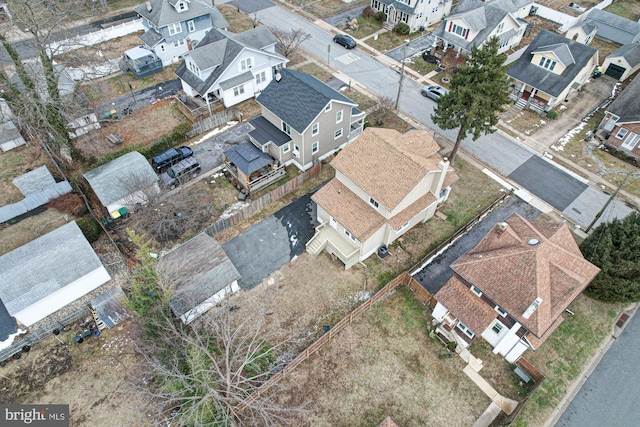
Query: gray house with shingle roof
{"x": 414, "y": 13}
{"x": 200, "y": 275}
{"x": 472, "y": 22}
{"x": 620, "y": 126}
{"x": 174, "y": 27}
{"x": 582, "y": 32}
{"x": 304, "y": 120}
{"x": 125, "y": 182}
{"x": 623, "y": 62}
{"x": 550, "y": 70}
{"x": 613, "y": 27}
{"x": 48, "y": 273}
{"x": 230, "y": 67}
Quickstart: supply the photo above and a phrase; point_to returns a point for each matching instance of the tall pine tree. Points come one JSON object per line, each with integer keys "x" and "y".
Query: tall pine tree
{"x": 615, "y": 248}
{"x": 479, "y": 92}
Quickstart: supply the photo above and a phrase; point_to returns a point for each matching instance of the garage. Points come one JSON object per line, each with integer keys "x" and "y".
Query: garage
{"x": 615, "y": 71}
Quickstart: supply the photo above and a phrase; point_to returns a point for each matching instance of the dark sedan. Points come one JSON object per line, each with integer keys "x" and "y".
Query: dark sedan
{"x": 345, "y": 41}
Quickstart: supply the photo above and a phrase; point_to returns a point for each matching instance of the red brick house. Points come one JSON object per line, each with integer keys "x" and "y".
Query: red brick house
{"x": 620, "y": 126}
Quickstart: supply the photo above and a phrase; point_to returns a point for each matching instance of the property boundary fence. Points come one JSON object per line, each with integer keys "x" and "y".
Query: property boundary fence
{"x": 213, "y": 121}
{"x": 537, "y": 376}
{"x": 261, "y": 203}
{"x": 403, "y": 279}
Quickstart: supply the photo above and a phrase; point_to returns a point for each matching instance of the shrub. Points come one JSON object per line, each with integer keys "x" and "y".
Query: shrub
{"x": 90, "y": 228}
{"x": 381, "y": 16}
{"x": 369, "y": 12}
{"x": 402, "y": 28}
{"x": 69, "y": 203}
{"x": 552, "y": 114}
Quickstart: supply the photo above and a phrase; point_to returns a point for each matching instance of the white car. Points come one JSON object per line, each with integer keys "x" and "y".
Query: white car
{"x": 434, "y": 92}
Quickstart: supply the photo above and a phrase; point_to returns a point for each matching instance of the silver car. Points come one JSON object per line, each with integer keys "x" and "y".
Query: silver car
{"x": 434, "y": 92}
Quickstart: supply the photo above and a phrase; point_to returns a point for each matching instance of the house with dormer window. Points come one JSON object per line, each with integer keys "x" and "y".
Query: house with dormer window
{"x": 230, "y": 67}
{"x": 620, "y": 126}
{"x": 173, "y": 27}
{"x": 550, "y": 70}
{"x": 385, "y": 184}
{"x": 417, "y": 14}
{"x": 513, "y": 287}
{"x": 472, "y": 22}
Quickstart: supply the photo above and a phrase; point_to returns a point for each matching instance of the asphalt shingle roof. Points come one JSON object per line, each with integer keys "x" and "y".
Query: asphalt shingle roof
{"x": 560, "y": 50}
{"x": 151, "y": 37}
{"x": 264, "y": 132}
{"x": 163, "y": 13}
{"x": 541, "y": 78}
{"x": 298, "y": 98}
{"x": 402, "y": 7}
{"x": 630, "y": 52}
{"x": 613, "y": 27}
{"x": 627, "y": 104}
{"x": 8, "y": 324}
{"x": 247, "y": 157}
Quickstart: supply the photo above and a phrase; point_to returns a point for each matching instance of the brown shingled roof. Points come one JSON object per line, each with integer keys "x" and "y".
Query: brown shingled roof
{"x": 465, "y": 305}
{"x": 402, "y": 159}
{"x": 513, "y": 272}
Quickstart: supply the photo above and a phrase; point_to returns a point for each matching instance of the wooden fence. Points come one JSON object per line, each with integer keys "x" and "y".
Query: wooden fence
{"x": 213, "y": 121}
{"x": 259, "y": 204}
{"x": 537, "y": 377}
{"x": 420, "y": 292}
{"x": 402, "y": 279}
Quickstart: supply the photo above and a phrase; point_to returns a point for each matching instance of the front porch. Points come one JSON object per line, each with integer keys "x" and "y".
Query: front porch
{"x": 528, "y": 97}
{"x": 326, "y": 237}
{"x": 250, "y": 168}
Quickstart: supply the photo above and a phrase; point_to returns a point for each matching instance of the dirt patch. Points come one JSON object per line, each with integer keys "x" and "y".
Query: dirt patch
{"x": 142, "y": 127}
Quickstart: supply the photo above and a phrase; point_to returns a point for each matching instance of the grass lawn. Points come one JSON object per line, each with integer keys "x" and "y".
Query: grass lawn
{"x": 421, "y": 66}
{"x": 326, "y": 8}
{"x": 565, "y": 354}
{"x": 629, "y": 9}
{"x": 315, "y": 70}
{"x": 366, "y": 26}
{"x": 238, "y": 21}
{"x": 388, "y": 41}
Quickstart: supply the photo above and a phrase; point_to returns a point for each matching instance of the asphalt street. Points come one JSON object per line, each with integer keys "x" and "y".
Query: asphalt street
{"x": 610, "y": 395}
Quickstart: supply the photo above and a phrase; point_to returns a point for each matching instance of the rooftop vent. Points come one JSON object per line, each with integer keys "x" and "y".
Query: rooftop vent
{"x": 533, "y": 307}
{"x": 533, "y": 242}
{"x": 278, "y": 76}
{"x": 149, "y": 7}
{"x": 501, "y": 227}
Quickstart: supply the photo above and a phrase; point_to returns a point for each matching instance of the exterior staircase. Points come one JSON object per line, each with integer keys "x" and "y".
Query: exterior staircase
{"x": 315, "y": 245}
{"x": 99, "y": 323}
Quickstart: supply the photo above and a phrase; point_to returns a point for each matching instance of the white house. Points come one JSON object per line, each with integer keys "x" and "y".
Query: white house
{"x": 417, "y": 14}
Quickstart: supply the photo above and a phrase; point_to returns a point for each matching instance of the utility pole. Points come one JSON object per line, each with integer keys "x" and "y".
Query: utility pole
{"x": 404, "y": 57}
{"x": 615, "y": 193}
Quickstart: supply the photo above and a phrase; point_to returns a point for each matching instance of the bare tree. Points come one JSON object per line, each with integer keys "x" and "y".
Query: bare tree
{"x": 379, "y": 112}
{"x": 289, "y": 40}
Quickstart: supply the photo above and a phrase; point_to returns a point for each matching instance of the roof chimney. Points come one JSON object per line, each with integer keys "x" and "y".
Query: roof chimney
{"x": 501, "y": 227}
{"x": 149, "y": 7}
{"x": 533, "y": 307}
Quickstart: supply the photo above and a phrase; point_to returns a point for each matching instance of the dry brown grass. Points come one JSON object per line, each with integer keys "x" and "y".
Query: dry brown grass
{"x": 16, "y": 162}
{"x": 238, "y": 20}
{"x": 20, "y": 233}
{"x": 326, "y": 8}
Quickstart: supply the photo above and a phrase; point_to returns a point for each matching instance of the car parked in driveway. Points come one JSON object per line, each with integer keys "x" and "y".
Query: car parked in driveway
{"x": 345, "y": 41}
{"x": 170, "y": 157}
{"x": 180, "y": 172}
{"x": 434, "y": 92}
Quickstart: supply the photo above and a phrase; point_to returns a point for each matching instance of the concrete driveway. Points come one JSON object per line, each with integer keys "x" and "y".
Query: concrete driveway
{"x": 273, "y": 242}
{"x": 208, "y": 150}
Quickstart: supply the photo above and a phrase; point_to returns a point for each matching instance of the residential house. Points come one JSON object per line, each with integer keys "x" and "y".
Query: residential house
{"x": 386, "y": 183}
{"x": 230, "y": 67}
{"x": 613, "y": 27}
{"x": 582, "y": 32}
{"x": 550, "y": 70}
{"x": 303, "y": 120}
{"x": 124, "y": 183}
{"x": 417, "y": 14}
{"x": 472, "y": 22}
{"x": 623, "y": 62}
{"x": 200, "y": 275}
{"x": 173, "y": 27}
{"x": 513, "y": 287}
{"x": 620, "y": 126}
{"x": 47, "y": 274}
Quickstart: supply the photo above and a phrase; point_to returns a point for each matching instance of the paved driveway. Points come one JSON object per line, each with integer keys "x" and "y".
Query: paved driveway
{"x": 273, "y": 242}
{"x": 435, "y": 275}
{"x": 209, "y": 151}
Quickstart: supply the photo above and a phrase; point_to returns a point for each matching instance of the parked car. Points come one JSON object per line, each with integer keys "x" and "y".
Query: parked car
{"x": 180, "y": 172}
{"x": 170, "y": 157}
{"x": 434, "y": 92}
{"x": 345, "y": 41}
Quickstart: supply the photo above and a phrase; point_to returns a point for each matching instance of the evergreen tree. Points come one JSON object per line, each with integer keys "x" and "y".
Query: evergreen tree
{"x": 479, "y": 91}
{"x": 615, "y": 248}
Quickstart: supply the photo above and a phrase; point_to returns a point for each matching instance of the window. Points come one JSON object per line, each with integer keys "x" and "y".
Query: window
{"x": 403, "y": 226}
{"x": 328, "y": 107}
{"x": 178, "y": 42}
{"x": 465, "y": 329}
{"x": 245, "y": 64}
{"x": 194, "y": 68}
{"x": 434, "y": 10}
{"x": 456, "y": 29}
{"x": 315, "y": 128}
{"x": 175, "y": 28}
{"x": 314, "y": 147}
{"x": 182, "y": 6}
{"x": 337, "y": 134}
{"x": 260, "y": 77}
{"x": 338, "y": 116}
{"x": 631, "y": 141}
{"x": 476, "y": 291}
{"x": 286, "y": 147}
{"x": 286, "y": 128}
{"x": 162, "y": 48}
{"x": 238, "y": 90}
{"x": 500, "y": 28}
{"x": 621, "y": 133}
{"x": 373, "y": 202}
{"x": 504, "y": 43}
{"x": 497, "y": 328}
{"x": 296, "y": 150}
{"x": 349, "y": 235}
{"x": 547, "y": 63}
{"x": 191, "y": 26}
{"x": 500, "y": 310}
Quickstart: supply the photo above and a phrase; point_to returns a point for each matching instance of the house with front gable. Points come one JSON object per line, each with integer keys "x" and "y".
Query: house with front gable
{"x": 550, "y": 70}
{"x": 472, "y": 22}
{"x": 417, "y": 14}
{"x": 385, "y": 184}
{"x": 173, "y": 27}
{"x": 230, "y": 67}
{"x": 623, "y": 62}
{"x": 513, "y": 287}
{"x": 620, "y": 126}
